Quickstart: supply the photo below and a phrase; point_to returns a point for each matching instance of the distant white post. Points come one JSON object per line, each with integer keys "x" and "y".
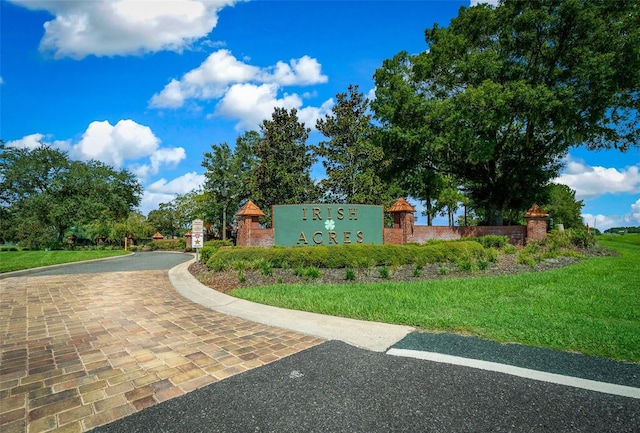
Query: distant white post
{"x": 197, "y": 235}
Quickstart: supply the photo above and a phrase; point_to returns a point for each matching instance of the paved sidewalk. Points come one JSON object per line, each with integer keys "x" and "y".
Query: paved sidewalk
{"x": 84, "y": 350}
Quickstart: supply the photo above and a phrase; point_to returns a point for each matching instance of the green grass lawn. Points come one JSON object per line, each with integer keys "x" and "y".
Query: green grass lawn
{"x": 18, "y": 260}
{"x": 592, "y": 307}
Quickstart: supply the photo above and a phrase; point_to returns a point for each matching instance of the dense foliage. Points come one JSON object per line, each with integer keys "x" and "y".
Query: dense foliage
{"x": 343, "y": 256}
{"x": 45, "y": 193}
{"x": 352, "y": 160}
{"x": 284, "y": 159}
{"x": 502, "y": 94}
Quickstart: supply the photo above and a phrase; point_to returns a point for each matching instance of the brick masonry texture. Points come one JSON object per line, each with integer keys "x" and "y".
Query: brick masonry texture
{"x": 80, "y": 351}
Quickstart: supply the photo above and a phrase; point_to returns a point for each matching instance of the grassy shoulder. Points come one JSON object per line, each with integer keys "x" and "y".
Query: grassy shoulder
{"x": 592, "y": 307}
{"x": 19, "y": 260}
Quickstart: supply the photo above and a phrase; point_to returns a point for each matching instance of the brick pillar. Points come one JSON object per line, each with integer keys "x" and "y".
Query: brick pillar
{"x": 536, "y": 223}
{"x": 249, "y": 219}
{"x": 403, "y": 219}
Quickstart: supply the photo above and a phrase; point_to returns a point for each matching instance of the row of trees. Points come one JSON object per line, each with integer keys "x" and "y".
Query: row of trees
{"x": 43, "y": 194}
{"x": 482, "y": 119}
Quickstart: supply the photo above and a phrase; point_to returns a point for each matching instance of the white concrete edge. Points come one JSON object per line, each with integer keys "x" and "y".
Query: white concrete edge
{"x": 592, "y": 385}
{"x": 373, "y": 336}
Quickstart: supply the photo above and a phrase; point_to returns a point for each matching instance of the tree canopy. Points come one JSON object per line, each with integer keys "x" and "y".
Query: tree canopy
{"x": 501, "y": 94}
{"x": 44, "y": 193}
{"x": 228, "y": 173}
{"x": 563, "y": 207}
{"x": 352, "y": 159}
{"x": 284, "y": 160}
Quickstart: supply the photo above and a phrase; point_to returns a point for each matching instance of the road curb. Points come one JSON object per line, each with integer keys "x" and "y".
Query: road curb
{"x": 373, "y": 336}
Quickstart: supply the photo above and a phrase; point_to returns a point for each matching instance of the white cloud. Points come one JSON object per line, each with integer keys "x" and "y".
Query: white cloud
{"x": 221, "y": 70}
{"x": 251, "y": 103}
{"x": 302, "y": 71}
{"x": 127, "y": 140}
{"x": 32, "y": 141}
{"x": 124, "y": 27}
{"x": 245, "y": 92}
{"x": 27, "y": 142}
{"x": 635, "y": 210}
{"x": 593, "y": 181}
{"x": 604, "y": 222}
{"x": 493, "y": 3}
{"x": 371, "y": 95}
{"x": 163, "y": 191}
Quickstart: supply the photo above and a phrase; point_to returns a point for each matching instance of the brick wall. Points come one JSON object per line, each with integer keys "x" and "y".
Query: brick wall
{"x": 421, "y": 234}
{"x": 261, "y": 238}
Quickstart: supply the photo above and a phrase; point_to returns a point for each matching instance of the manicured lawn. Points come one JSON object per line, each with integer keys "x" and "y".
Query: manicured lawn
{"x": 592, "y": 307}
{"x": 18, "y": 260}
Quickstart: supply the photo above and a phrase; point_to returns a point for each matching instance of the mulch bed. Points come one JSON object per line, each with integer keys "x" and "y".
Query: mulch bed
{"x": 506, "y": 265}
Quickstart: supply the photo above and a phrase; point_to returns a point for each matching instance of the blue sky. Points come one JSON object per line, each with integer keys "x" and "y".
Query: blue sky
{"x": 150, "y": 85}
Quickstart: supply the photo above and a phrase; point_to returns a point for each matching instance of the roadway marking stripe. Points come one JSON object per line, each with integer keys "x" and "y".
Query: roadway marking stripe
{"x": 592, "y": 385}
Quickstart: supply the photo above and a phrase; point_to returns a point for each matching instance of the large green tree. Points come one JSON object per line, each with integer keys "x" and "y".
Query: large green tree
{"x": 563, "y": 207}
{"x": 351, "y": 157}
{"x": 228, "y": 173}
{"x": 503, "y": 93}
{"x": 284, "y": 160}
{"x": 165, "y": 219}
{"x": 45, "y": 193}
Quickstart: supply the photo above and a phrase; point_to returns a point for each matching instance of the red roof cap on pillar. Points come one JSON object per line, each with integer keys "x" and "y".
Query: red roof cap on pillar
{"x": 250, "y": 209}
{"x": 401, "y": 205}
{"x": 535, "y": 211}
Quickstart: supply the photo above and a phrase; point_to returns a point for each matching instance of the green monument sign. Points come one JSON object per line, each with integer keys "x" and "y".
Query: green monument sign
{"x": 327, "y": 224}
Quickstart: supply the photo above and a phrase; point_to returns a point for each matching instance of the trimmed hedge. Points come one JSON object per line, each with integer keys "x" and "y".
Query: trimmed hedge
{"x": 347, "y": 256}
{"x": 210, "y": 247}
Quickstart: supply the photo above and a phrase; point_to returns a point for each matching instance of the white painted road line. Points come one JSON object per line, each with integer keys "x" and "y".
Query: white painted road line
{"x": 592, "y": 385}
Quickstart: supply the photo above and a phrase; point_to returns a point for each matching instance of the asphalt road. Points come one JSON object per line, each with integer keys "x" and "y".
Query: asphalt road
{"x": 335, "y": 387}
{"x": 142, "y": 261}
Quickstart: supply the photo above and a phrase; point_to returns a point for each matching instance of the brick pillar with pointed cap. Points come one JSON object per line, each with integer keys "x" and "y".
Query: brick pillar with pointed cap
{"x": 536, "y": 223}
{"x": 402, "y": 213}
{"x": 249, "y": 219}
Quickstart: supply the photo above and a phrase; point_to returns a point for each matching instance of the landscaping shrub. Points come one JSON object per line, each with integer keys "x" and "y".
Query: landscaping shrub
{"x": 364, "y": 256}
{"x": 384, "y": 272}
{"x": 217, "y": 243}
{"x": 210, "y": 247}
{"x": 349, "y": 274}
{"x": 493, "y": 241}
{"x": 581, "y": 238}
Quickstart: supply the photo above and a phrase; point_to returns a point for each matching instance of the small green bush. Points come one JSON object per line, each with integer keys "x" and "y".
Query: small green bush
{"x": 264, "y": 266}
{"x": 465, "y": 265}
{"x": 166, "y": 245}
{"x": 349, "y": 274}
{"x": 510, "y": 249}
{"x": 493, "y": 241}
{"x": 581, "y": 238}
{"x": 483, "y": 265}
{"x": 312, "y": 272}
{"x": 384, "y": 272}
{"x": 217, "y": 243}
{"x": 217, "y": 265}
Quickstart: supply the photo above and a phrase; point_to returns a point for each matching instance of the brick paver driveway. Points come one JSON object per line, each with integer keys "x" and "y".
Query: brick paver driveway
{"x": 79, "y": 351}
